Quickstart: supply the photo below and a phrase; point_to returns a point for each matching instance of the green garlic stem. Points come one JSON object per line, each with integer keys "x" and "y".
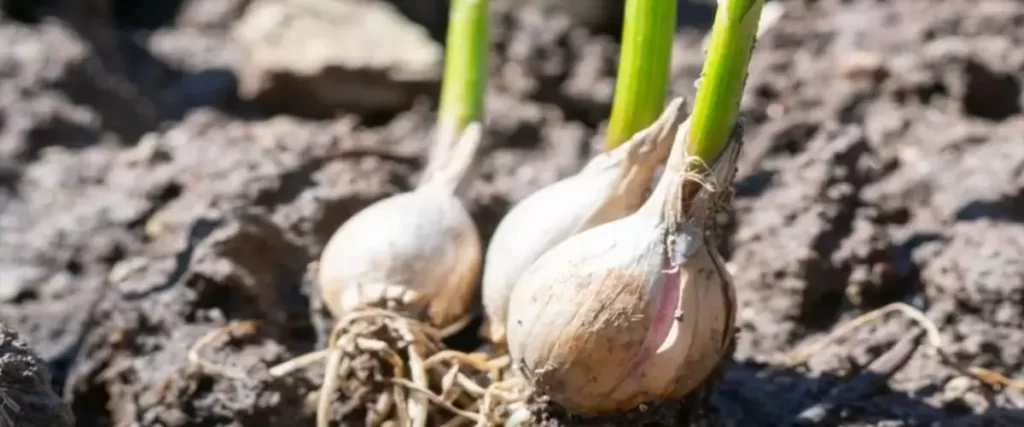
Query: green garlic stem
{"x": 644, "y": 65}
{"x": 466, "y": 63}
{"x": 723, "y": 78}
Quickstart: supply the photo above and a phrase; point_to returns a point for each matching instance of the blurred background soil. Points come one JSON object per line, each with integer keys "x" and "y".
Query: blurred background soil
{"x": 168, "y": 166}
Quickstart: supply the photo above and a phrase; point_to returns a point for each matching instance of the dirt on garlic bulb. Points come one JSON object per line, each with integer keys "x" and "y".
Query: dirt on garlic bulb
{"x": 634, "y": 310}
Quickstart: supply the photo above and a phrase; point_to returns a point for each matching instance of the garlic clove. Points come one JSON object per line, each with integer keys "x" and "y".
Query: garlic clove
{"x": 633, "y": 310}
{"x": 529, "y": 228}
{"x": 419, "y": 250}
{"x": 610, "y": 186}
{"x": 576, "y": 322}
{"x": 423, "y": 242}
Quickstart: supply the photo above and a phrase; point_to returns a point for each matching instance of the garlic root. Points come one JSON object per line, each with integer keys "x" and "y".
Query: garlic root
{"x": 612, "y": 185}
{"x": 419, "y": 250}
{"x": 634, "y": 310}
{"x": 198, "y": 364}
{"x": 372, "y": 347}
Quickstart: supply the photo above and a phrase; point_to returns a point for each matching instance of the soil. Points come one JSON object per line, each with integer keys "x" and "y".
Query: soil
{"x": 142, "y": 204}
{"x": 26, "y": 398}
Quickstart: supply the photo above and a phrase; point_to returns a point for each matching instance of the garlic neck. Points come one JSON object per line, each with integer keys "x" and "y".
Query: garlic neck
{"x": 637, "y": 159}
{"x": 453, "y": 165}
{"x": 689, "y": 191}
{"x": 648, "y": 149}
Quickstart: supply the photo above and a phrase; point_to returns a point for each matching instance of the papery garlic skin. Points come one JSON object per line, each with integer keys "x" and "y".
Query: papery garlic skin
{"x": 595, "y": 336}
{"x": 420, "y": 249}
{"x": 540, "y": 221}
{"x": 373, "y": 258}
{"x": 630, "y": 311}
{"x": 607, "y": 188}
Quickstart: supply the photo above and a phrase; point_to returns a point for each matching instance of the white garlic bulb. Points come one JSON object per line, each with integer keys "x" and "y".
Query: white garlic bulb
{"x": 420, "y": 249}
{"x": 633, "y": 310}
{"x": 612, "y": 185}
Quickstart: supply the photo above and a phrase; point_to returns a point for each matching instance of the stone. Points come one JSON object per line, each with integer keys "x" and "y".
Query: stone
{"x": 321, "y": 58}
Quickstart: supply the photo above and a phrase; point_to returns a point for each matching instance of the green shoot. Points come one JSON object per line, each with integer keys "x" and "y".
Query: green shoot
{"x": 725, "y": 73}
{"x": 465, "y": 65}
{"x": 644, "y": 63}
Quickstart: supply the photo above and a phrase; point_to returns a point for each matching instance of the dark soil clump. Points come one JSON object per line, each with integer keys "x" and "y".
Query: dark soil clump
{"x": 26, "y": 396}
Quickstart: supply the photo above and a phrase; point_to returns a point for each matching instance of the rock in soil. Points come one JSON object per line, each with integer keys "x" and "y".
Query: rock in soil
{"x": 316, "y": 58}
{"x": 27, "y": 398}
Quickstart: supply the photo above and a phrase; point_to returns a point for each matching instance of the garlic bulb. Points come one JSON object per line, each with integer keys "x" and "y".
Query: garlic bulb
{"x": 633, "y": 310}
{"x": 612, "y": 185}
{"x": 419, "y": 249}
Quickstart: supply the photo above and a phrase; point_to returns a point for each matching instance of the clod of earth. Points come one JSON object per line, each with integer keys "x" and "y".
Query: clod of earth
{"x": 646, "y": 311}
{"x": 26, "y": 397}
